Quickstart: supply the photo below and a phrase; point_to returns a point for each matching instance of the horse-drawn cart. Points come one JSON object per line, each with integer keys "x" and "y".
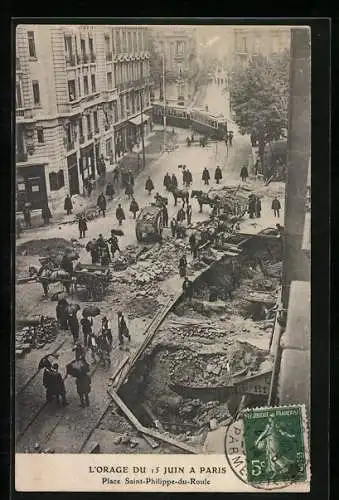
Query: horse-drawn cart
{"x": 94, "y": 278}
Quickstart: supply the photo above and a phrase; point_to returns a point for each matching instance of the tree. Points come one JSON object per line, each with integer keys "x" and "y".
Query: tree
{"x": 259, "y": 95}
{"x": 156, "y": 67}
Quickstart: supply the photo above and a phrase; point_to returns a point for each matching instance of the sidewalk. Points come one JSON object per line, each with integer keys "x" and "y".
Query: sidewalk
{"x": 130, "y": 160}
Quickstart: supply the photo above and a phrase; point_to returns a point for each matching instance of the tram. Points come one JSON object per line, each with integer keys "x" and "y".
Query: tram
{"x": 198, "y": 120}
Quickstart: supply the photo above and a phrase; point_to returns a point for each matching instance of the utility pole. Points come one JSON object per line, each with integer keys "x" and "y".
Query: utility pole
{"x": 164, "y": 95}
{"x": 142, "y": 131}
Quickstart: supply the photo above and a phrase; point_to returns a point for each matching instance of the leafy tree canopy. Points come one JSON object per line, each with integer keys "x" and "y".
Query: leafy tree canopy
{"x": 259, "y": 95}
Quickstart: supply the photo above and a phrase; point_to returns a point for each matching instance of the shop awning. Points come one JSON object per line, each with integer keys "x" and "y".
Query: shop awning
{"x": 138, "y": 120}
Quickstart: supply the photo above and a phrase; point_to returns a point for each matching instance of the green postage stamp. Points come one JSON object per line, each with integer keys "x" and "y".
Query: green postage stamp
{"x": 275, "y": 446}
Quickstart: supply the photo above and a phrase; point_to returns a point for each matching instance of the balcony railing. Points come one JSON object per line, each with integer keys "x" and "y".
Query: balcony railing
{"x": 82, "y": 139}
{"x": 90, "y": 135}
{"x": 21, "y": 156}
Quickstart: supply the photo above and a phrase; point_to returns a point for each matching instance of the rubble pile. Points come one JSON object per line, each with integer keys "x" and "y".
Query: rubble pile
{"x": 53, "y": 248}
{"x": 142, "y": 305}
{"x": 35, "y": 335}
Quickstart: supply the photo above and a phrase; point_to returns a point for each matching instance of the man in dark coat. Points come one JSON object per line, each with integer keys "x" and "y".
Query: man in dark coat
{"x": 74, "y": 327}
{"x": 189, "y": 214}
{"x": 181, "y": 216}
{"x": 59, "y": 386}
{"x": 120, "y": 214}
{"x": 230, "y": 137}
{"x": 174, "y": 182}
{"x": 123, "y": 330}
{"x": 46, "y": 214}
{"x": 110, "y": 190}
{"x": 206, "y": 176}
{"x": 86, "y": 324}
{"x": 189, "y": 179}
{"x": 48, "y": 381}
{"x": 101, "y": 203}
{"x": 187, "y": 288}
{"x": 165, "y": 215}
{"x": 82, "y": 226}
{"x": 93, "y": 248}
{"x": 218, "y": 175}
{"x": 251, "y": 205}
{"x": 193, "y": 245}
{"x": 27, "y": 215}
{"x": 149, "y": 186}
{"x": 174, "y": 226}
{"x": 258, "y": 207}
{"x": 276, "y": 207}
{"x": 83, "y": 384}
{"x": 244, "y": 173}
{"x": 113, "y": 241}
{"x": 129, "y": 191}
{"x": 61, "y": 314}
{"x": 66, "y": 264}
{"x": 167, "y": 181}
{"x": 134, "y": 208}
{"x": 68, "y": 205}
{"x": 182, "y": 266}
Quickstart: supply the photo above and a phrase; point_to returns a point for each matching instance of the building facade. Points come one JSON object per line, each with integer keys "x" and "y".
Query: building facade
{"x": 250, "y": 41}
{"x": 177, "y": 45}
{"x": 81, "y": 91}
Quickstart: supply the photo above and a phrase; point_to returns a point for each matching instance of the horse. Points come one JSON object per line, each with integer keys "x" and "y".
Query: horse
{"x": 202, "y": 198}
{"x": 183, "y": 194}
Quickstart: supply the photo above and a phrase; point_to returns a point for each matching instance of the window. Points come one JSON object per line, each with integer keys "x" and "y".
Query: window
{"x": 68, "y": 47}
{"x": 79, "y": 86}
{"x": 83, "y": 49}
{"x": 86, "y": 85}
{"x": 108, "y": 51}
{"x": 56, "y": 180}
{"x": 118, "y": 42}
{"x": 115, "y": 111}
{"x": 244, "y": 44}
{"x": 40, "y": 134}
{"x": 18, "y": 96}
{"x": 135, "y": 42}
{"x": 93, "y": 83}
{"x": 127, "y": 103}
{"x": 71, "y": 90}
{"x": 109, "y": 80}
{"x": 130, "y": 45}
{"x": 180, "y": 48}
{"x": 91, "y": 48}
{"x": 89, "y": 124}
{"x": 122, "y": 106}
{"x": 81, "y": 131}
{"x": 141, "y": 48}
{"x": 31, "y": 44}
{"x": 95, "y": 120}
{"x": 108, "y": 147}
{"x": 36, "y": 93}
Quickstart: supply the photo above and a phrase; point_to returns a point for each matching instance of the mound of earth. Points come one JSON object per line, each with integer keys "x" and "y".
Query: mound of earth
{"x": 55, "y": 247}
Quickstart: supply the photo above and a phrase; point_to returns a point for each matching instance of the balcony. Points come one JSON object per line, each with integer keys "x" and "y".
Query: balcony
{"x": 70, "y": 60}
{"x": 90, "y": 135}
{"x": 21, "y": 156}
{"x": 23, "y": 114}
{"x": 82, "y": 139}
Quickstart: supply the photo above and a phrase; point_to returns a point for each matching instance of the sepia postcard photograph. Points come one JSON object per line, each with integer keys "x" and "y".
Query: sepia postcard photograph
{"x": 162, "y": 256}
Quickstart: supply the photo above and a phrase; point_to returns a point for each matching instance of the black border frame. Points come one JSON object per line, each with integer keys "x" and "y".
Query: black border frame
{"x": 321, "y": 68}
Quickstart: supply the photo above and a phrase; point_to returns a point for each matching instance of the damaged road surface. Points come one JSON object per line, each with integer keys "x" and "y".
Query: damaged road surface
{"x": 209, "y": 358}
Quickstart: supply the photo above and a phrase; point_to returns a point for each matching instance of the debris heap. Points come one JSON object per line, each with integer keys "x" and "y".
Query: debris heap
{"x": 35, "y": 334}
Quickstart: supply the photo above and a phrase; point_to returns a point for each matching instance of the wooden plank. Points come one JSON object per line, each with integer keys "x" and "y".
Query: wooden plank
{"x": 153, "y": 444}
{"x": 119, "y": 368}
{"x": 149, "y": 432}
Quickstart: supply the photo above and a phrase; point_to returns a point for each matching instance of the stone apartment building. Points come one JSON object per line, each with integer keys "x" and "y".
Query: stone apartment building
{"x": 178, "y": 45}
{"x": 81, "y": 91}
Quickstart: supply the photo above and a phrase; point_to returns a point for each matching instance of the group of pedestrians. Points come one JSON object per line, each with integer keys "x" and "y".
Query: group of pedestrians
{"x": 103, "y": 250}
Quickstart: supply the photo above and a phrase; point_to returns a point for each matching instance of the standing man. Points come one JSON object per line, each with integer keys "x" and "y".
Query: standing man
{"x": 68, "y": 205}
{"x": 257, "y": 207}
{"x": 101, "y": 203}
{"x": 193, "y": 245}
{"x": 107, "y": 330}
{"x": 113, "y": 241}
{"x": 218, "y": 175}
{"x": 189, "y": 178}
{"x": 74, "y": 327}
{"x": 165, "y": 215}
{"x": 174, "y": 182}
{"x": 149, "y": 186}
{"x": 82, "y": 226}
{"x": 46, "y": 213}
{"x": 120, "y": 214}
{"x": 27, "y": 215}
{"x": 206, "y": 176}
{"x": 251, "y": 205}
{"x": 86, "y": 324}
{"x": 182, "y": 266}
{"x": 134, "y": 208}
{"x": 244, "y": 173}
{"x": 181, "y": 216}
{"x": 167, "y": 181}
{"x": 83, "y": 384}
{"x": 230, "y": 137}
{"x": 123, "y": 330}
{"x": 276, "y": 207}
{"x": 93, "y": 248}
{"x": 189, "y": 214}
{"x": 59, "y": 386}
{"x": 110, "y": 190}
{"x": 187, "y": 288}
{"x": 174, "y": 225}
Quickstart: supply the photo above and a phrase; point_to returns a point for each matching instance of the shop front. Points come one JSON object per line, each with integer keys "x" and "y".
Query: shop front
{"x": 138, "y": 127}
{"x": 73, "y": 174}
{"x": 120, "y": 139}
{"x": 31, "y": 186}
{"x": 87, "y": 164}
